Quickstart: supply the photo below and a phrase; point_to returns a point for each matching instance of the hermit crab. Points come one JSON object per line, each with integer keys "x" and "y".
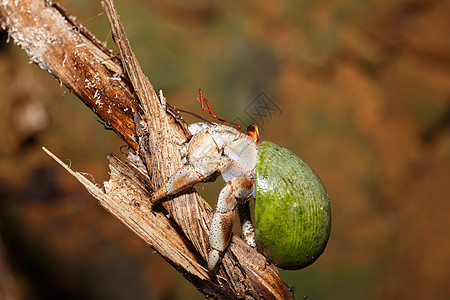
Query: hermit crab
{"x": 291, "y": 219}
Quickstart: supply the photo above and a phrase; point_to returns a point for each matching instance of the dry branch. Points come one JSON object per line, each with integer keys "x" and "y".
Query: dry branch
{"x": 61, "y": 46}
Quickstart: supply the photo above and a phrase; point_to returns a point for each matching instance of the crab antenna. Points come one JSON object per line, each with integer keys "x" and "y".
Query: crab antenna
{"x": 208, "y": 110}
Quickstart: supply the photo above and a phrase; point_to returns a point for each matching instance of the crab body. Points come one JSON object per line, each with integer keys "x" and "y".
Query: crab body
{"x": 292, "y": 212}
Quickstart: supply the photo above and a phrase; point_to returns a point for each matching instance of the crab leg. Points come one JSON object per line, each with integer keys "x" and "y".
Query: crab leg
{"x": 221, "y": 225}
{"x": 237, "y": 188}
{"x": 248, "y": 230}
{"x": 189, "y": 175}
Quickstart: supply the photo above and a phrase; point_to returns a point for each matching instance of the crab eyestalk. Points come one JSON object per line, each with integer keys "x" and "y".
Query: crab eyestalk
{"x": 253, "y": 132}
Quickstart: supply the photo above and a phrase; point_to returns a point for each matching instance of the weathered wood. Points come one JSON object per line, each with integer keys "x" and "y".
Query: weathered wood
{"x": 124, "y": 195}
{"x": 161, "y": 155}
{"x": 64, "y": 48}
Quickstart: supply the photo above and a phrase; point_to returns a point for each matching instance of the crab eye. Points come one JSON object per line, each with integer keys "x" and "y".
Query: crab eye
{"x": 253, "y": 132}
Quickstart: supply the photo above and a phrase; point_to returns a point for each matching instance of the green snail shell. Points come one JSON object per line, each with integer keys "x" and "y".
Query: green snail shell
{"x": 292, "y": 211}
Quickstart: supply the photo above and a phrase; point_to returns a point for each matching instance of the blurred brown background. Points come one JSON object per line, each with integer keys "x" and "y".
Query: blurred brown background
{"x": 363, "y": 92}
